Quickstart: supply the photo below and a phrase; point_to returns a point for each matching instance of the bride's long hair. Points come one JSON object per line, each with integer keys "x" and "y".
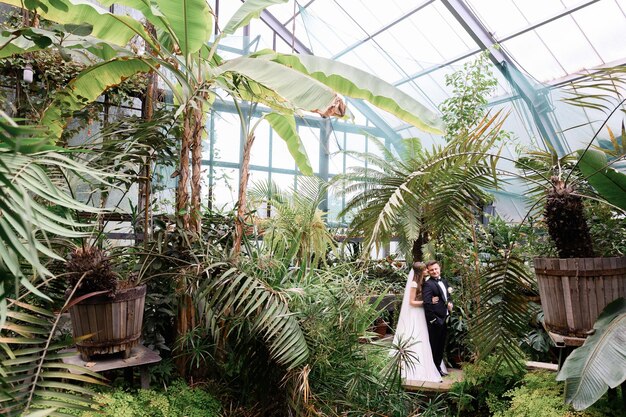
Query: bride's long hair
{"x": 418, "y": 277}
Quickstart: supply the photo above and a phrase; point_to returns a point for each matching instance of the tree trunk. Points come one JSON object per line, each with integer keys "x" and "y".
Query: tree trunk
{"x": 243, "y": 185}
{"x": 196, "y": 168}
{"x": 566, "y": 221}
{"x": 185, "y": 322}
{"x": 182, "y": 192}
{"x": 416, "y": 251}
{"x": 145, "y": 185}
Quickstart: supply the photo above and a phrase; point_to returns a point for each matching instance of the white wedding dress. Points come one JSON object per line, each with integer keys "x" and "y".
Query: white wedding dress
{"x": 412, "y": 332}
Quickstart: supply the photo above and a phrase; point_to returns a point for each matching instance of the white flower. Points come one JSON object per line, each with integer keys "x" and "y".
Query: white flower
{"x": 450, "y": 290}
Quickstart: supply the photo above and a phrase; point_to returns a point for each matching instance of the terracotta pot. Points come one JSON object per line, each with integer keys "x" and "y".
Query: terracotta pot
{"x": 575, "y": 291}
{"x": 104, "y": 325}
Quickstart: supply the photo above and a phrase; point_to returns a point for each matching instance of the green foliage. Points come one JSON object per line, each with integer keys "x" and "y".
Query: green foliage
{"x": 345, "y": 375}
{"x": 591, "y": 369}
{"x": 290, "y": 221}
{"x": 471, "y": 87}
{"x": 483, "y": 383}
{"x": 178, "y": 400}
{"x": 540, "y": 395}
{"x": 607, "y": 227}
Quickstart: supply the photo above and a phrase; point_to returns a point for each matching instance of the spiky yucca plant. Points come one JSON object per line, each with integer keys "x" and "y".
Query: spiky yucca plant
{"x": 90, "y": 270}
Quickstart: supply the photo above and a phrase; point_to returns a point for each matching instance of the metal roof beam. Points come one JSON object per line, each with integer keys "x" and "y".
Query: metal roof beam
{"x": 535, "y": 98}
{"x": 284, "y": 33}
{"x": 384, "y": 28}
{"x": 458, "y": 58}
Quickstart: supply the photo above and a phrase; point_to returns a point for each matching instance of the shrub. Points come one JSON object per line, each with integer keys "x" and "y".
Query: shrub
{"x": 483, "y": 386}
{"x": 540, "y": 395}
{"x": 178, "y": 400}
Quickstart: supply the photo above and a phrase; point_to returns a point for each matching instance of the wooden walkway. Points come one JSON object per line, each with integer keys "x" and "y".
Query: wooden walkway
{"x": 456, "y": 375}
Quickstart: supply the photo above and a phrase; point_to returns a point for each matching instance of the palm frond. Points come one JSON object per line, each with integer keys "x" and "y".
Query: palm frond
{"x": 34, "y": 207}
{"x": 502, "y": 315}
{"x": 240, "y": 298}
{"x": 34, "y": 377}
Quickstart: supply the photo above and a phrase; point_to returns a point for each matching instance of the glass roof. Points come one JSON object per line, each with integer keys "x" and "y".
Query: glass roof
{"x": 415, "y": 44}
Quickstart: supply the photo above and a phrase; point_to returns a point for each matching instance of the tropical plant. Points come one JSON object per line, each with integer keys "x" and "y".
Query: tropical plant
{"x": 179, "y": 52}
{"x": 34, "y": 380}
{"x": 293, "y": 220}
{"x": 595, "y": 366}
{"x": 471, "y": 87}
{"x": 372, "y": 184}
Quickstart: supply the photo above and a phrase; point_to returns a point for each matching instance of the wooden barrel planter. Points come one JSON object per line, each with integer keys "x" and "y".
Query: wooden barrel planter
{"x": 575, "y": 291}
{"x": 114, "y": 324}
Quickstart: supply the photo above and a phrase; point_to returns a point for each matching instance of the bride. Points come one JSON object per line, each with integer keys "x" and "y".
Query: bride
{"x": 412, "y": 333}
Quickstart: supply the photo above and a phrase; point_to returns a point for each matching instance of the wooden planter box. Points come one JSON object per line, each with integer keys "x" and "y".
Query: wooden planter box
{"x": 114, "y": 324}
{"x": 575, "y": 291}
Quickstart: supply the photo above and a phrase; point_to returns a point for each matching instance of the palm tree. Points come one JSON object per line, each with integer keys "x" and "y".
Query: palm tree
{"x": 382, "y": 175}
{"x": 293, "y": 220}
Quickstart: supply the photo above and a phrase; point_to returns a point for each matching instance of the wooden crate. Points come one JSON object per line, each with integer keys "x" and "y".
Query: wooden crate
{"x": 103, "y": 325}
{"x": 575, "y": 291}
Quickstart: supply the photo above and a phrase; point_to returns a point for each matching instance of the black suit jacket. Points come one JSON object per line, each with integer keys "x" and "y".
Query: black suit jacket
{"x": 432, "y": 289}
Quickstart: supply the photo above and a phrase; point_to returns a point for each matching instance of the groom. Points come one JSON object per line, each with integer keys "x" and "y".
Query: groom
{"x": 437, "y": 308}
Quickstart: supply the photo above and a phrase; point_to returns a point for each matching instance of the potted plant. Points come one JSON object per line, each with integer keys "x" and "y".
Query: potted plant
{"x": 106, "y": 311}
{"x": 578, "y": 284}
{"x": 575, "y": 287}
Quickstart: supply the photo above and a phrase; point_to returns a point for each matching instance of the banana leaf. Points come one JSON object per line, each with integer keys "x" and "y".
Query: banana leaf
{"x": 87, "y": 87}
{"x": 608, "y": 182}
{"x": 285, "y": 126}
{"x": 600, "y": 363}
{"x": 107, "y": 26}
{"x": 249, "y": 10}
{"x": 355, "y": 83}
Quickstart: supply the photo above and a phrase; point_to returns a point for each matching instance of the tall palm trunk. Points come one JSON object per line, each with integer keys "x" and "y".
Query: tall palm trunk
{"x": 188, "y": 211}
{"x": 566, "y": 221}
{"x": 182, "y": 192}
{"x": 196, "y": 168}
{"x": 243, "y": 185}
{"x": 147, "y": 113}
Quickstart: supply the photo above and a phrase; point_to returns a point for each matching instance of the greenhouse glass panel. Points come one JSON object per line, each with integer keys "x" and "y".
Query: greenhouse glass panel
{"x": 417, "y": 43}
{"x": 336, "y": 30}
{"x": 501, "y": 17}
{"x": 257, "y": 178}
{"x": 310, "y": 139}
{"x": 225, "y": 188}
{"x": 537, "y": 10}
{"x": 433, "y": 87}
{"x": 336, "y": 144}
{"x": 355, "y": 143}
{"x": 369, "y": 57}
{"x": 226, "y": 137}
{"x": 260, "y": 153}
{"x": 285, "y": 182}
{"x": 533, "y": 58}
{"x": 281, "y": 158}
{"x": 414, "y": 90}
{"x": 604, "y": 24}
{"x": 369, "y": 16}
{"x": 444, "y": 30}
{"x": 569, "y": 45}
{"x": 283, "y": 11}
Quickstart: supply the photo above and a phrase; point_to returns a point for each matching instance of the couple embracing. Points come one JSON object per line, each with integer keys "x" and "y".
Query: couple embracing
{"x": 422, "y": 323}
